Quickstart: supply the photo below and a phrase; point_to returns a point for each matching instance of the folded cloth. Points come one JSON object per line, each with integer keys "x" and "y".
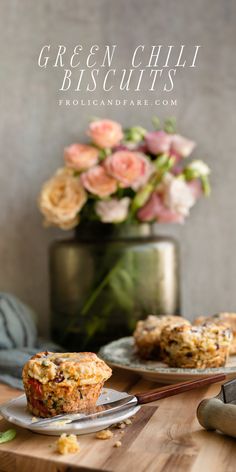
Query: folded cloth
{"x": 18, "y": 339}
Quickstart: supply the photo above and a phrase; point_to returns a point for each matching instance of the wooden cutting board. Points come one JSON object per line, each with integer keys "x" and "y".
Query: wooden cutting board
{"x": 163, "y": 437}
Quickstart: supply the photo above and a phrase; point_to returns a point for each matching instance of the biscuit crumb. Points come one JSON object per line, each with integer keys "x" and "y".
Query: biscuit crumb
{"x": 121, "y": 425}
{"x": 128, "y": 421}
{"x": 67, "y": 444}
{"x": 104, "y": 434}
{"x": 34, "y": 419}
{"x": 118, "y": 444}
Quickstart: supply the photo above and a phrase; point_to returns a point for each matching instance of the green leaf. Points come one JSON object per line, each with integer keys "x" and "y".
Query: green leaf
{"x": 164, "y": 163}
{"x": 134, "y": 134}
{"x": 156, "y": 123}
{"x": 142, "y": 196}
{"x": 161, "y": 161}
{"x": 170, "y": 125}
{"x": 103, "y": 153}
{"x": 122, "y": 287}
{"x": 206, "y": 185}
{"x": 8, "y": 435}
{"x": 191, "y": 174}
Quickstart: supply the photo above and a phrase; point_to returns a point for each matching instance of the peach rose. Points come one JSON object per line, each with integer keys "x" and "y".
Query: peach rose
{"x": 98, "y": 182}
{"x": 81, "y": 156}
{"x": 113, "y": 211}
{"x": 131, "y": 169}
{"x": 61, "y": 199}
{"x": 105, "y": 133}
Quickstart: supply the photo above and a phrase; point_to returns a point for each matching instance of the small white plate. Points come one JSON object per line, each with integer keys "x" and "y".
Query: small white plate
{"x": 16, "y": 412}
{"x": 121, "y": 353}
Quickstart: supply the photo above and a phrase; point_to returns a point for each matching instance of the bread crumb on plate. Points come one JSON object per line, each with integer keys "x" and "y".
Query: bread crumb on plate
{"x": 128, "y": 421}
{"x": 67, "y": 444}
{"x": 104, "y": 434}
{"x": 120, "y": 425}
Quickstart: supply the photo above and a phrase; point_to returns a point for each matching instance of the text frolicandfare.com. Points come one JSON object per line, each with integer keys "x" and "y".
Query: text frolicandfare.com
{"x": 171, "y": 102}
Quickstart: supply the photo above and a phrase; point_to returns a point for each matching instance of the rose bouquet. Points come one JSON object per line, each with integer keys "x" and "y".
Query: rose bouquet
{"x": 130, "y": 175}
{"x": 101, "y": 284}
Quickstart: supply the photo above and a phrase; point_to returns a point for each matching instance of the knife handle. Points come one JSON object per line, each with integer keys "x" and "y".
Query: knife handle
{"x": 213, "y": 414}
{"x": 169, "y": 390}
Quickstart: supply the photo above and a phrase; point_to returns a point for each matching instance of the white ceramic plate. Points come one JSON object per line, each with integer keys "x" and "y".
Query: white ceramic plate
{"x": 121, "y": 353}
{"x": 16, "y": 412}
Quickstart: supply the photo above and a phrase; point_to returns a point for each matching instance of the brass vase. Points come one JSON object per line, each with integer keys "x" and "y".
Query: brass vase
{"x": 106, "y": 278}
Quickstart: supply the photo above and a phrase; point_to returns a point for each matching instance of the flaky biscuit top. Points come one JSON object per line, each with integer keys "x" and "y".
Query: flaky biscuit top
{"x": 82, "y": 368}
{"x": 151, "y": 328}
{"x": 204, "y": 337}
{"x": 229, "y": 319}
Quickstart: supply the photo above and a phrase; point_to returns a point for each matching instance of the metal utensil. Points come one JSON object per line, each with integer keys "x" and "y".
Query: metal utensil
{"x": 132, "y": 400}
{"x": 219, "y": 413}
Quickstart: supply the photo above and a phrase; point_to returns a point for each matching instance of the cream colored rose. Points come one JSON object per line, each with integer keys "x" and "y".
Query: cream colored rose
{"x": 61, "y": 199}
{"x": 114, "y": 210}
{"x": 200, "y": 168}
{"x": 177, "y": 195}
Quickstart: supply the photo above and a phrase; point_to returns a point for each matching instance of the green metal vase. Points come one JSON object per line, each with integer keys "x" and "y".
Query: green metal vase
{"x": 107, "y": 278}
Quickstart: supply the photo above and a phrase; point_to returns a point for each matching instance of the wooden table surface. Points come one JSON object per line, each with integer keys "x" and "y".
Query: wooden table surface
{"x": 164, "y": 436}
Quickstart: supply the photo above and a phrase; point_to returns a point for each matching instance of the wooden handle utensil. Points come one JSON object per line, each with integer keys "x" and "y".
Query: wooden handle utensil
{"x": 169, "y": 390}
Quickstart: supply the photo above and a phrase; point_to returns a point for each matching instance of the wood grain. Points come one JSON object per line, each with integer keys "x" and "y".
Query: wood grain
{"x": 164, "y": 436}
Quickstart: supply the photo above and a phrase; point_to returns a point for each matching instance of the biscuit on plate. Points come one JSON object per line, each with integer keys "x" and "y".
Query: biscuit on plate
{"x": 57, "y": 383}
{"x": 196, "y": 346}
{"x": 148, "y": 333}
{"x": 228, "y": 319}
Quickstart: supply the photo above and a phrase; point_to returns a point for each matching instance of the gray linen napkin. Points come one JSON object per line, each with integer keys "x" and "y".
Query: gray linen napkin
{"x": 18, "y": 339}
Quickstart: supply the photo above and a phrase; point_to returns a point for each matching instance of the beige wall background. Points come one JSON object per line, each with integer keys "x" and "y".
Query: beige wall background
{"x": 34, "y": 131}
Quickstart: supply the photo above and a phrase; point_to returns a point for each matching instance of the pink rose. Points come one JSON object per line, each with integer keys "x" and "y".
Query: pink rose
{"x": 170, "y": 203}
{"x": 131, "y": 169}
{"x": 158, "y": 142}
{"x": 155, "y": 210}
{"x": 98, "y": 182}
{"x": 113, "y": 211}
{"x": 105, "y": 133}
{"x": 81, "y": 156}
{"x": 181, "y": 146}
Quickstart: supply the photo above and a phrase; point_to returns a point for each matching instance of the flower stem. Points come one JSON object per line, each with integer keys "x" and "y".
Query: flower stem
{"x": 97, "y": 291}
